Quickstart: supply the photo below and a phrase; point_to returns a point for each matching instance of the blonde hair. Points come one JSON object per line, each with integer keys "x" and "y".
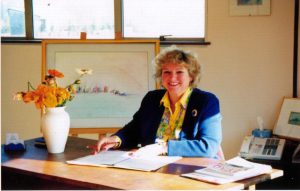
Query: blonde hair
{"x": 173, "y": 54}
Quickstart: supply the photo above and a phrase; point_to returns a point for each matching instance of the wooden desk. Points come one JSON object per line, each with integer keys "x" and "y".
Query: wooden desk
{"x": 37, "y": 169}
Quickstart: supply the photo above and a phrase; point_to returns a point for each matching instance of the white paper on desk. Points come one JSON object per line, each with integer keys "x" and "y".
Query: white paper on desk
{"x": 146, "y": 164}
{"x": 104, "y": 158}
{"x": 122, "y": 159}
{"x": 254, "y": 169}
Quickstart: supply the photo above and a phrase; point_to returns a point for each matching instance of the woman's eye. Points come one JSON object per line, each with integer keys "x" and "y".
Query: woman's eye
{"x": 166, "y": 72}
{"x": 179, "y": 72}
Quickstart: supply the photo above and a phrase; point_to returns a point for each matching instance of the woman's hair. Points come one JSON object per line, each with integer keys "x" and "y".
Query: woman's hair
{"x": 176, "y": 55}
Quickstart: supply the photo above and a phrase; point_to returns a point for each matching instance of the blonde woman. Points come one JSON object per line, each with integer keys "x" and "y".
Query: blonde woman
{"x": 178, "y": 120}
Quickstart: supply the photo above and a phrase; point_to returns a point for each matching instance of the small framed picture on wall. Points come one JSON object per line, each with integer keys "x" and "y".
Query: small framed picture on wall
{"x": 249, "y": 7}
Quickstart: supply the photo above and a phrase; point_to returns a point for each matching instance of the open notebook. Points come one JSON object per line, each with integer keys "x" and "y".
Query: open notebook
{"x": 123, "y": 159}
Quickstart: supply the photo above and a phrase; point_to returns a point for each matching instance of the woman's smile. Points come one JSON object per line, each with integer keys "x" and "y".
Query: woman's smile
{"x": 176, "y": 79}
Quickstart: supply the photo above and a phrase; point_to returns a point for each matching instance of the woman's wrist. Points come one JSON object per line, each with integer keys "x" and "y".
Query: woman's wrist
{"x": 163, "y": 144}
{"x": 118, "y": 141}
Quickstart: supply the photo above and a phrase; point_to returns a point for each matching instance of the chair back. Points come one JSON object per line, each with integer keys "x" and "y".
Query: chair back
{"x": 220, "y": 154}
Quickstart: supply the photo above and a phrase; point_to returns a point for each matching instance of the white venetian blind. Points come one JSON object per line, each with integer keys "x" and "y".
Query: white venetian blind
{"x": 153, "y": 18}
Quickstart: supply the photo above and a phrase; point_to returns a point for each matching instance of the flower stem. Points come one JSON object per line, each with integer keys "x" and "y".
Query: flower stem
{"x": 29, "y": 86}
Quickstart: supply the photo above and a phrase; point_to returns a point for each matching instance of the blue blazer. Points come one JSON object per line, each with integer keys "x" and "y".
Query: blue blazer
{"x": 201, "y": 132}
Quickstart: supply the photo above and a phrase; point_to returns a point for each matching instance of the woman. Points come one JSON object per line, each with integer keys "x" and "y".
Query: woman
{"x": 179, "y": 120}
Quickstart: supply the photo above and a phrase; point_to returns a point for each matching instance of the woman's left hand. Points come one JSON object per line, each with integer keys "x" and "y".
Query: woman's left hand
{"x": 151, "y": 150}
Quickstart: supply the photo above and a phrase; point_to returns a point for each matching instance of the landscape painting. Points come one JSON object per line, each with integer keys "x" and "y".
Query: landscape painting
{"x": 111, "y": 92}
{"x": 294, "y": 118}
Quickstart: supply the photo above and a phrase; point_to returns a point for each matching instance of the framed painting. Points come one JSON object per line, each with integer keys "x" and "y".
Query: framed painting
{"x": 288, "y": 123}
{"x": 249, "y": 7}
{"x": 121, "y": 74}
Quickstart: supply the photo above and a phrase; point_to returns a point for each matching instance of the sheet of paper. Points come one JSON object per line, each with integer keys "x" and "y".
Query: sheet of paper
{"x": 104, "y": 158}
{"x": 147, "y": 164}
{"x": 122, "y": 159}
{"x": 238, "y": 161}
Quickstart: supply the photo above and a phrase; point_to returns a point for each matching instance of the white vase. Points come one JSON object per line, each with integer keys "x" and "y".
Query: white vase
{"x": 55, "y": 128}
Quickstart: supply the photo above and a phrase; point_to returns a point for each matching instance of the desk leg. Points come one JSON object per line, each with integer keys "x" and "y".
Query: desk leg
{"x": 252, "y": 187}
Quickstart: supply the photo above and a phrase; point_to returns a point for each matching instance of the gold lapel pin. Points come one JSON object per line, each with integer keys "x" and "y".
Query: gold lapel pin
{"x": 194, "y": 112}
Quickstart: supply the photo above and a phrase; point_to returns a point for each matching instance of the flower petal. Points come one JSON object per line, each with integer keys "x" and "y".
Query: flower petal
{"x": 55, "y": 73}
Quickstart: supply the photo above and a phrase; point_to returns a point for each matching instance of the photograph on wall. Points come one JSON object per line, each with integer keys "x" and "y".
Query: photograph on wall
{"x": 249, "y": 2}
{"x": 249, "y": 7}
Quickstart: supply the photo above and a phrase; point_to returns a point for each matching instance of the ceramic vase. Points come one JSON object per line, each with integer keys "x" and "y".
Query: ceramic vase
{"x": 55, "y": 128}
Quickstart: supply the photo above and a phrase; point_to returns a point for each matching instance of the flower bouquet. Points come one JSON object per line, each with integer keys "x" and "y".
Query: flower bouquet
{"x": 51, "y": 99}
{"x": 48, "y": 94}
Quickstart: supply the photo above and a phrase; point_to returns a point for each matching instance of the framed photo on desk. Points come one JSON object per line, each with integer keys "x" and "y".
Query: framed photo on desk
{"x": 288, "y": 123}
{"x": 121, "y": 76}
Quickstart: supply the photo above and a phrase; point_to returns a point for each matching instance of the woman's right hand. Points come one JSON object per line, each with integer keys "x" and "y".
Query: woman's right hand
{"x": 104, "y": 144}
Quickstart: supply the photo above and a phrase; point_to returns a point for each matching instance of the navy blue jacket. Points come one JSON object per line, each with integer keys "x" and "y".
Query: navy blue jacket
{"x": 201, "y": 132}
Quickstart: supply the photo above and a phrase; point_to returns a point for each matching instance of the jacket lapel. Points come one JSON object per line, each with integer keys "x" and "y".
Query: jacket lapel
{"x": 190, "y": 126}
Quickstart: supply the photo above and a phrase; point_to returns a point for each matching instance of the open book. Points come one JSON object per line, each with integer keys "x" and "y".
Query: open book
{"x": 232, "y": 170}
{"x": 123, "y": 159}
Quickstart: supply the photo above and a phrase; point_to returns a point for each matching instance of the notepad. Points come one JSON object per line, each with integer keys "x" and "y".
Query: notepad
{"x": 232, "y": 170}
{"x": 123, "y": 159}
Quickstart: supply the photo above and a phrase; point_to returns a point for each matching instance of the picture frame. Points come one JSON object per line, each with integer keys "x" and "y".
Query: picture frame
{"x": 288, "y": 123}
{"x": 249, "y": 7}
{"x": 121, "y": 75}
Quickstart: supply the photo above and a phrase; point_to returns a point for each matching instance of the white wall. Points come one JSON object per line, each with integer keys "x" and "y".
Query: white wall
{"x": 248, "y": 66}
{"x": 20, "y": 63}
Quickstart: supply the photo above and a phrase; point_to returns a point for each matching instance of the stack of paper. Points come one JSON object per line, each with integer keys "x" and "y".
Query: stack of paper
{"x": 229, "y": 171}
{"x": 123, "y": 159}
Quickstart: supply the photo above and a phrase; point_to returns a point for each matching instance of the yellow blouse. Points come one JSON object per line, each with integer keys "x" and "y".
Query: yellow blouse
{"x": 171, "y": 123}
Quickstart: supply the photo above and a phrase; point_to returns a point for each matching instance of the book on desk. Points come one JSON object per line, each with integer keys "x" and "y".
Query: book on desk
{"x": 232, "y": 170}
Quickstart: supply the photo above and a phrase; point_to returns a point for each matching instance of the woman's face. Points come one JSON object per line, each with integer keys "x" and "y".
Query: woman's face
{"x": 175, "y": 78}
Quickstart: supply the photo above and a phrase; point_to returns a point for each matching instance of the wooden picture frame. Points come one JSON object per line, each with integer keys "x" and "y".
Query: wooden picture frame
{"x": 288, "y": 123}
{"x": 122, "y": 73}
{"x": 249, "y": 7}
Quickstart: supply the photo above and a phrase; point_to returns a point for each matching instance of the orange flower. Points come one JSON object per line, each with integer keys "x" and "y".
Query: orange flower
{"x": 49, "y": 100}
{"x": 55, "y": 73}
{"x": 18, "y": 96}
{"x": 28, "y": 97}
{"x": 48, "y": 94}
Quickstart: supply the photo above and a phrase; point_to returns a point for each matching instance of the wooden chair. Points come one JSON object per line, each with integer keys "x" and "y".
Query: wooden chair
{"x": 220, "y": 154}
{"x": 100, "y": 131}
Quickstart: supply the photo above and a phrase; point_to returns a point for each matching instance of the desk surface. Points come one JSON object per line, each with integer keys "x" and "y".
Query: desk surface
{"x": 37, "y": 162}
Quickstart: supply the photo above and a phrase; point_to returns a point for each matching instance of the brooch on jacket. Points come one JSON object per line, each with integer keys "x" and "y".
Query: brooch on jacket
{"x": 194, "y": 112}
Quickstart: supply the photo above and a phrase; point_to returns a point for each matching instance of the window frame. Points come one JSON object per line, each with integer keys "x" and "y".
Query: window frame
{"x": 29, "y": 36}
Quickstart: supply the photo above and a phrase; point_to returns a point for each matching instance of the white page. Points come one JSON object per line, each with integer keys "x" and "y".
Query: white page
{"x": 207, "y": 178}
{"x": 146, "y": 164}
{"x": 123, "y": 159}
{"x": 103, "y": 158}
{"x": 238, "y": 161}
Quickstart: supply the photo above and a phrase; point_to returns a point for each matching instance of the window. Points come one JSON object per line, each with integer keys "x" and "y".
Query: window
{"x": 66, "y": 19}
{"x": 12, "y": 18}
{"x": 153, "y": 18}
